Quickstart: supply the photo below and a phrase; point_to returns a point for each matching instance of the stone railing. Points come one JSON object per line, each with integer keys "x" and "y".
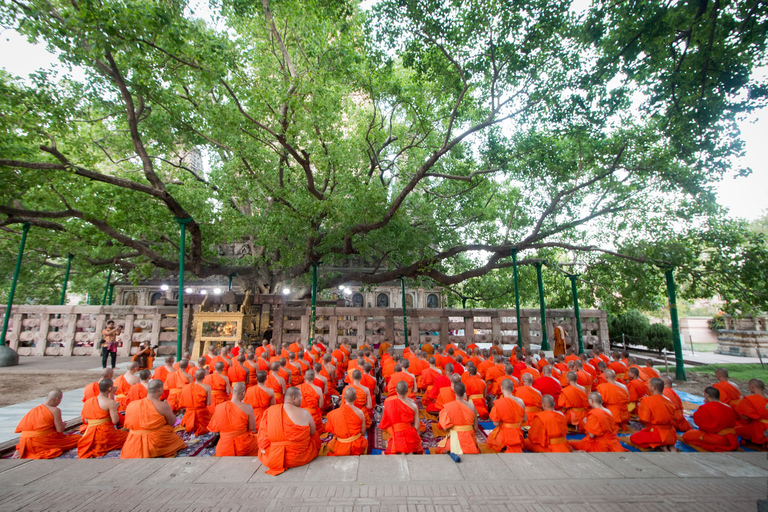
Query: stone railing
{"x": 373, "y": 325}
{"x": 76, "y": 330}
{"x": 743, "y": 336}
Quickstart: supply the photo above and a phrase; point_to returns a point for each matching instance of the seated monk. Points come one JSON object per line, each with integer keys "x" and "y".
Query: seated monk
{"x": 460, "y": 417}
{"x": 650, "y": 370}
{"x": 123, "y": 385}
{"x": 446, "y": 395}
{"x": 363, "y": 398}
{"x": 681, "y": 423}
{"x": 188, "y": 356}
{"x": 145, "y": 356}
{"x": 573, "y": 401}
{"x": 657, "y": 412}
{"x": 547, "y": 384}
{"x": 530, "y": 396}
{"x": 548, "y": 430}
{"x": 219, "y": 382}
{"x": 601, "y": 429}
{"x": 508, "y": 415}
{"x": 276, "y": 382}
{"x": 260, "y": 396}
{"x": 287, "y": 436}
{"x": 716, "y": 424}
{"x": 162, "y": 372}
{"x": 753, "y": 410}
{"x": 195, "y": 399}
{"x": 42, "y": 430}
{"x": 101, "y": 416}
{"x": 234, "y": 421}
{"x": 312, "y": 400}
{"x": 91, "y": 390}
{"x": 615, "y": 398}
{"x": 139, "y": 390}
{"x": 151, "y": 422}
{"x": 730, "y": 393}
{"x": 636, "y": 388}
{"x": 175, "y": 382}
{"x": 428, "y": 376}
{"x": 442, "y": 381}
{"x": 252, "y": 367}
{"x": 237, "y": 372}
{"x": 348, "y": 424}
{"x": 211, "y": 357}
{"x": 476, "y": 389}
{"x": 401, "y": 373}
{"x": 401, "y": 421}
{"x": 506, "y": 374}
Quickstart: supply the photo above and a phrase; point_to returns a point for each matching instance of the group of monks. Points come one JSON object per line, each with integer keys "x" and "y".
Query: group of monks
{"x": 275, "y": 402}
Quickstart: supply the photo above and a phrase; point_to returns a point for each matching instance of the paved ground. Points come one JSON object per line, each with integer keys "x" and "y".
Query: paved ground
{"x": 574, "y": 482}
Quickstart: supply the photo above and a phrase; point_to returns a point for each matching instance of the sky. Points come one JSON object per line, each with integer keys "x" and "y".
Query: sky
{"x": 745, "y": 197}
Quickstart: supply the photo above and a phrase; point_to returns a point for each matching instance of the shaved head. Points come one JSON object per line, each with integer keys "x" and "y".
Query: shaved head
{"x": 507, "y": 385}
{"x": 402, "y": 388}
{"x": 107, "y": 373}
{"x": 200, "y": 374}
{"x": 145, "y": 375}
{"x": 527, "y": 379}
{"x": 155, "y": 388}
{"x": 53, "y": 395}
{"x": 350, "y": 395}
{"x": 219, "y": 366}
{"x": 548, "y": 403}
{"x": 105, "y": 385}
{"x": 596, "y": 398}
{"x": 293, "y": 392}
{"x": 656, "y": 384}
{"x": 238, "y": 388}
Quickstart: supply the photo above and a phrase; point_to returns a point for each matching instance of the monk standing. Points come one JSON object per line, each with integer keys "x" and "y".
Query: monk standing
{"x": 753, "y": 409}
{"x": 234, "y": 421}
{"x": 100, "y": 414}
{"x": 42, "y": 430}
{"x": 219, "y": 382}
{"x": 657, "y": 412}
{"x": 508, "y": 415}
{"x": 460, "y": 417}
{"x": 348, "y": 424}
{"x": 601, "y": 429}
{"x": 729, "y": 392}
{"x": 559, "y": 335}
{"x": 573, "y": 401}
{"x": 615, "y": 398}
{"x": 175, "y": 382}
{"x": 195, "y": 399}
{"x": 716, "y": 422}
{"x": 401, "y": 420}
{"x": 151, "y": 422}
{"x": 260, "y": 397}
{"x": 287, "y": 436}
{"x": 548, "y": 430}
{"x": 530, "y": 396}
{"x": 312, "y": 399}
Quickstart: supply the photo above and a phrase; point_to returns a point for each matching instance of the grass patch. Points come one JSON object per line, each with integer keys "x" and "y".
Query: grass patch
{"x": 736, "y": 370}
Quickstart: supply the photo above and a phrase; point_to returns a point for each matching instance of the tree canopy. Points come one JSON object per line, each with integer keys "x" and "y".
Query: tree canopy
{"x": 428, "y": 138}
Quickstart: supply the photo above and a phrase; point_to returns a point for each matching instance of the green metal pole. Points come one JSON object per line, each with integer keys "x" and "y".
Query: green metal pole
{"x": 111, "y": 290}
{"x": 517, "y": 296}
{"x": 679, "y": 366}
{"x": 576, "y": 312}
{"x": 24, "y": 231}
{"x": 463, "y": 303}
{"x": 542, "y": 307}
{"x": 405, "y": 316}
{"x": 230, "y": 281}
{"x": 179, "y": 320}
{"x": 66, "y": 280}
{"x": 106, "y": 288}
{"x": 313, "y": 310}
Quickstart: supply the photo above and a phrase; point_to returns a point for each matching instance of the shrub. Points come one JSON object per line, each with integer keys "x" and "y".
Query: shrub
{"x": 716, "y": 323}
{"x": 633, "y": 324}
{"x": 659, "y": 337}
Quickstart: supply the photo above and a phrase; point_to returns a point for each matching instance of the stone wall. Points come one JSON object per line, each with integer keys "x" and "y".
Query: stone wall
{"x": 743, "y": 336}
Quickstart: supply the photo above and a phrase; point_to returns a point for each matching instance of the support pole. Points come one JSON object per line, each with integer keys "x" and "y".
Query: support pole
{"x": 63, "y": 298}
{"x": 463, "y": 303}
{"x": 8, "y": 356}
{"x": 111, "y": 290}
{"x": 313, "y": 310}
{"x": 106, "y": 288}
{"x": 542, "y": 307}
{"x": 405, "y": 316}
{"x": 575, "y": 293}
{"x": 679, "y": 366}
{"x": 180, "y": 318}
{"x": 517, "y": 297}
{"x": 230, "y": 281}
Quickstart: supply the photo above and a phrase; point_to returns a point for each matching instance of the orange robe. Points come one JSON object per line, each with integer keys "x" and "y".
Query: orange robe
{"x": 460, "y": 420}
{"x": 427, "y": 378}
{"x": 309, "y": 401}
{"x": 548, "y": 386}
{"x": 753, "y": 408}
{"x": 716, "y": 432}
{"x": 273, "y": 383}
{"x": 39, "y": 439}
{"x": 174, "y": 383}
{"x": 237, "y": 373}
{"x": 100, "y": 437}
{"x": 428, "y": 400}
{"x": 361, "y": 399}
{"x": 91, "y": 390}
{"x": 475, "y": 387}
{"x": 137, "y": 392}
{"x": 445, "y": 396}
{"x": 532, "y": 400}
{"x": 150, "y": 436}
{"x": 681, "y": 423}
{"x": 218, "y": 388}
{"x": 259, "y": 400}
{"x": 252, "y": 368}
{"x": 122, "y": 388}
{"x": 637, "y": 390}
{"x": 345, "y": 425}
{"x": 283, "y": 444}
{"x": 397, "y": 420}
{"x": 657, "y": 412}
{"x": 574, "y": 403}
{"x": 235, "y": 440}
{"x": 397, "y": 377}
{"x": 196, "y": 413}
{"x": 603, "y": 427}
{"x": 616, "y": 400}
{"x": 509, "y": 434}
{"x": 729, "y": 393}
{"x": 547, "y": 433}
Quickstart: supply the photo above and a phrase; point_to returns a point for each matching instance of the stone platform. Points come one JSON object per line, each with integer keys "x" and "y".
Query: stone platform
{"x": 575, "y": 482}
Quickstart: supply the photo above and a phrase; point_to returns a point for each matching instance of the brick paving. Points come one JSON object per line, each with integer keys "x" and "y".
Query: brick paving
{"x": 617, "y": 482}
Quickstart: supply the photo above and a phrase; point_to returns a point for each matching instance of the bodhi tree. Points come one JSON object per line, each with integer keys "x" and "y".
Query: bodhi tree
{"x": 427, "y": 138}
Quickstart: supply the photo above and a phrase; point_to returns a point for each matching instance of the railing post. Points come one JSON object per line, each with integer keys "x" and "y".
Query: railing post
{"x": 8, "y": 356}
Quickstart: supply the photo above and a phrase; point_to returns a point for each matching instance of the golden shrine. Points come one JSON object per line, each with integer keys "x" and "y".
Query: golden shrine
{"x": 221, "y": 328}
